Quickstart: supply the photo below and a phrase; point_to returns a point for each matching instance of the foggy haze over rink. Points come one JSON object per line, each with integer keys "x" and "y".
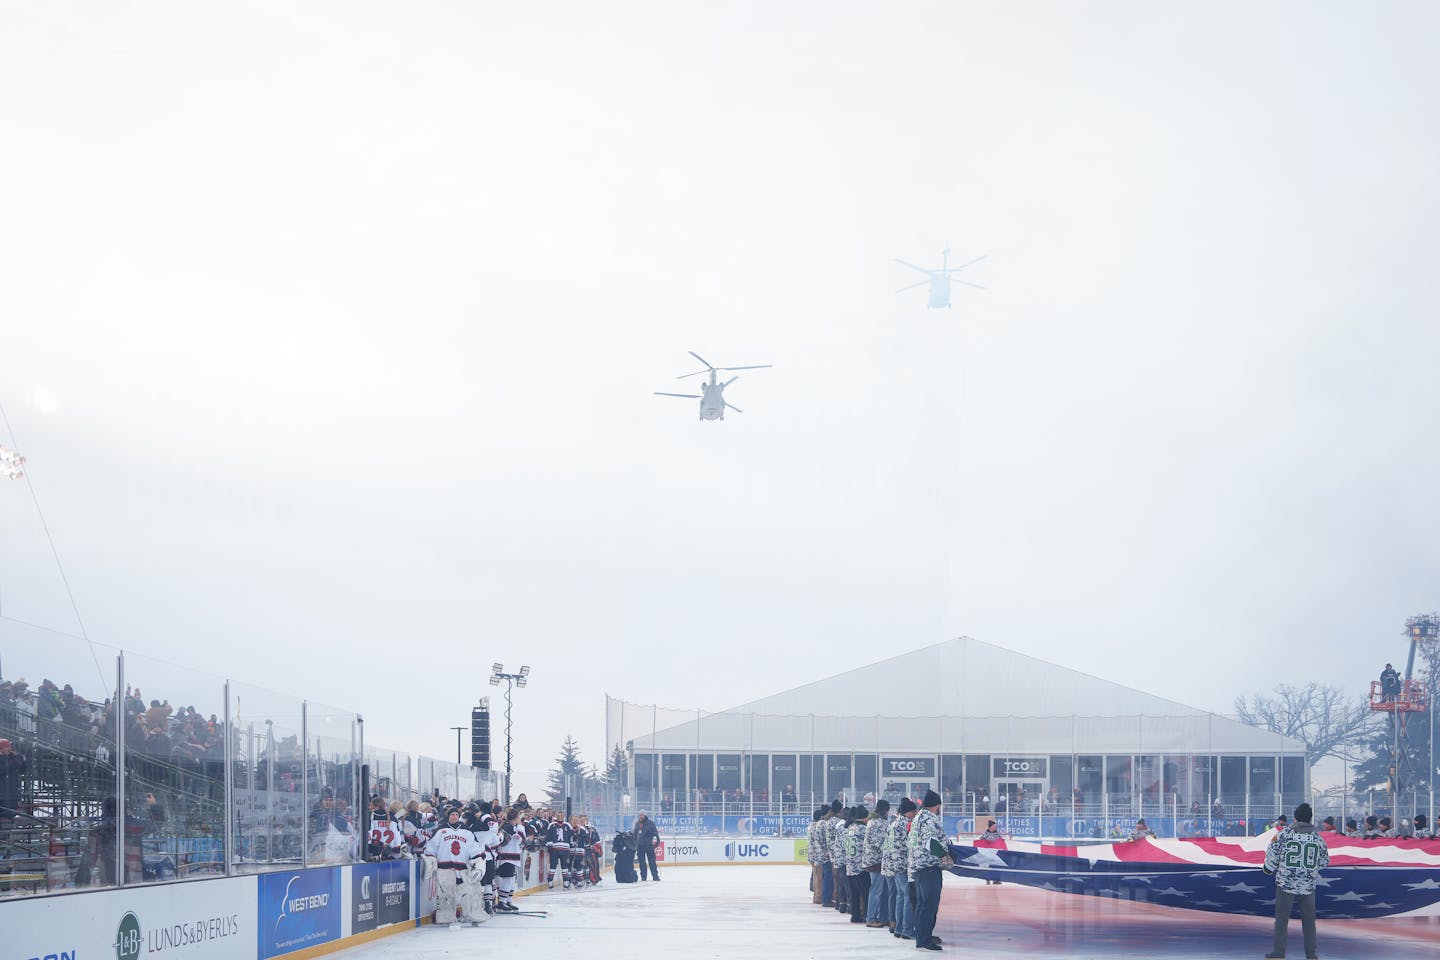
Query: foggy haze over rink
{"x": 765, "y": 911}
{"x": 330, "y": 335}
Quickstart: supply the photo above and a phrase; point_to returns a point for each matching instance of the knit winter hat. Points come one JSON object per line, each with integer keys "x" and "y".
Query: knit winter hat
{"x": 835, "y": 806}
{"x": 906, "y": 805}
{"x": 932, "y": 799}
{"x": 882, "y": 806}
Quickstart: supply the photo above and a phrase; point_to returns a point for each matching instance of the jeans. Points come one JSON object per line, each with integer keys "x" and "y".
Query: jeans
{"x": 827, "y": 885}
{"x": 842, "y": 888}
{"x": 645, "y": 856}
{"x": 859, "y": 895}
{"x": 904, "y": 909}
{"x": 1283, "y": 901}
{"x": 927, "y": 906}
{"x": 881, "y": 899}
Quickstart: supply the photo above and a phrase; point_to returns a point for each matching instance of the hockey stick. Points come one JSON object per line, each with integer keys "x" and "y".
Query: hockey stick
{"x": 522, "y": 913}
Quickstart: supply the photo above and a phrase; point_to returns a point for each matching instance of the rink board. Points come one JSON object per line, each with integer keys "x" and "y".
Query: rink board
{"x": 713, "y": 850}
{"x": 292, "y": 913}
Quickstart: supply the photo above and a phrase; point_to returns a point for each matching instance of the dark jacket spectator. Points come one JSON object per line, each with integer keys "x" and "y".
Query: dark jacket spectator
{"x": 646, "y": 833}
{"x": 12, "y": 772}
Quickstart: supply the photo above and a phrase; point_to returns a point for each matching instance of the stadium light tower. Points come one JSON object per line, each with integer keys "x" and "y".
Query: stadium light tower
{"x": 511, "y": 680}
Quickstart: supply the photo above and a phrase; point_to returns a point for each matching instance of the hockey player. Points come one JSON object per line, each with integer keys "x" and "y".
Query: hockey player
{"x": 559, "y": 838}
{"x": 386, "y": 841}
{"x": 507, "y": 871}
{"x": 448, "y": 857}
{"x": 487, "y": 833}
{"x": 588, "y": 840}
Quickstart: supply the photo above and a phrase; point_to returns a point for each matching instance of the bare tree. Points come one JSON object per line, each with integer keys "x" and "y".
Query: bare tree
{"x": 1326, "y": 717}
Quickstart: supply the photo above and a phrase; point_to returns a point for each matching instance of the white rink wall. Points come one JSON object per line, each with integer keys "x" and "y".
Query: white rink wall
{"x": 717, "y": 850}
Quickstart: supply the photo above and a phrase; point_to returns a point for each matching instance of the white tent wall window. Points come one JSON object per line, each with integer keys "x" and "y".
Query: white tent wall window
{"x": 1093, "y": 756}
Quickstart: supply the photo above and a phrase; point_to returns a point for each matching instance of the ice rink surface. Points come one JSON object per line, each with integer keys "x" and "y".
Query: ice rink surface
{"x": 760, "y": 912}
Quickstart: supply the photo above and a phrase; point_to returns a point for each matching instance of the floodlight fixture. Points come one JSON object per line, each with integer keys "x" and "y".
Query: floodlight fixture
{"x": 512, "y": 680}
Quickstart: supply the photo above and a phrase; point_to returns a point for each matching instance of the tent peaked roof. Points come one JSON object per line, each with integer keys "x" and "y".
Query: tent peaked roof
{"x": 967, "y": 696}
{"x": 965, "y": 677}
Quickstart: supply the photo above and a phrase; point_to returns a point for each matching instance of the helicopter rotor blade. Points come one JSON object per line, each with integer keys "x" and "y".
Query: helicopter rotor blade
{"x": 688, "y": 396}
{"x": 728, "y": 382}
{"x": 969, "y": 284}
{"x": 968, "y": 262}
{"x": 733, "y": 407}
{"x": 701, "y": 359}
{"x": 917, "y": 283}
{"x": 697, "y": 373}
{"x": 913, "y": 267}
{"x": 753, "y": 366}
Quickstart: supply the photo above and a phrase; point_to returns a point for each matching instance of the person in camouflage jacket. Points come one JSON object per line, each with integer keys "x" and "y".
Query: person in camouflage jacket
{"x": 877, "y": 911}
{"x": 925, "y": 866}
{"x": 814, "y": 850}
{"x": 835, "y": 856}
{"x": 855, "y": 873}
{"x": 1295, "y": 857}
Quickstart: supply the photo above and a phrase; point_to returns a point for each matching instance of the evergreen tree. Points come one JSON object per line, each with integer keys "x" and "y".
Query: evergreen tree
{"x": 568, "y": 775}
{"x": 617, "y": 768}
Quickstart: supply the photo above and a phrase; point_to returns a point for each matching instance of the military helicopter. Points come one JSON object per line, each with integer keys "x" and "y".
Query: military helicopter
{"x": 712, "y": 394}
{"x": 941, "y": 279}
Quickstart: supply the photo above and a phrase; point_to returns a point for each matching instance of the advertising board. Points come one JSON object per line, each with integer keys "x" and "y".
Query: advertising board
{"x": 380, "y": 894}
{"x": 723, "y": 850}
{"x": 201, "y": 920}
{"x": 299, "y": 909}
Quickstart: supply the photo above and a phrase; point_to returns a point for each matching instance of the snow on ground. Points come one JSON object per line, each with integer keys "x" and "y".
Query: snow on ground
{"x": 760, "y": 912}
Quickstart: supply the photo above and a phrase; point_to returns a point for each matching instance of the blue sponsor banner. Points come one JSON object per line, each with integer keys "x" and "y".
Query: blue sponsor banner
{"x": 379, "y": 894}
{"x": 1019, "y": 827}
{"x": 298, "y": 909}
{"x": 1099, "y": 828}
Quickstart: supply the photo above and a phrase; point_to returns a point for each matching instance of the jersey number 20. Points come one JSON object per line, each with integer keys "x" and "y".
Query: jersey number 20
{"x": 1301, "y": 854}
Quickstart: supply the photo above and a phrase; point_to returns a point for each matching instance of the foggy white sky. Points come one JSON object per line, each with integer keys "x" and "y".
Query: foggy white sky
{"x": 330, "y": 332}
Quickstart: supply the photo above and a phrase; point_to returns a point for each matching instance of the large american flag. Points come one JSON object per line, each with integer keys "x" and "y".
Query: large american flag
{"x": 1366, "y": 878}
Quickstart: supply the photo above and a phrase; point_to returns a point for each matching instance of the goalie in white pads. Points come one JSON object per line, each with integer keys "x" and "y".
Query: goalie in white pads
{"x": 451, "y": 857}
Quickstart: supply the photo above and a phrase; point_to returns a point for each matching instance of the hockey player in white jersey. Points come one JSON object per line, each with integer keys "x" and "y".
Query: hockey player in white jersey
{"x": 510, "y": 852}
{"x": 450, "y": 856}
{"x": 486, "y": 828}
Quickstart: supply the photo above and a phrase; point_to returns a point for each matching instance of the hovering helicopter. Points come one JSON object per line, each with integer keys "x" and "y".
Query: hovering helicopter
{"x": 712, "y": 395}
{"x": 941, "y": 279}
